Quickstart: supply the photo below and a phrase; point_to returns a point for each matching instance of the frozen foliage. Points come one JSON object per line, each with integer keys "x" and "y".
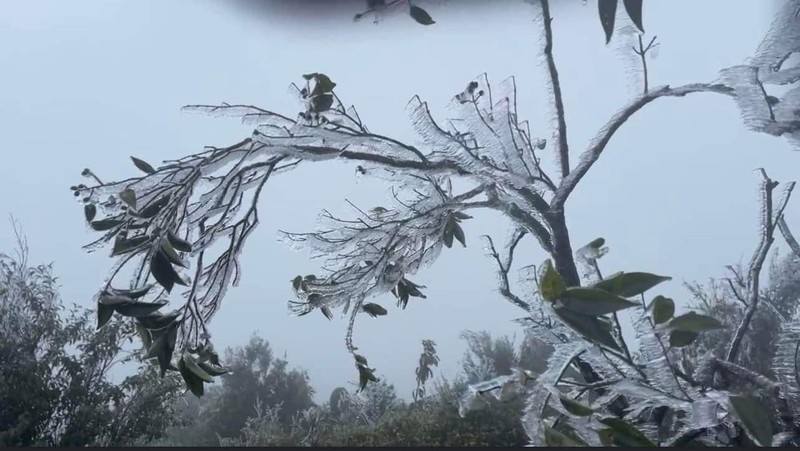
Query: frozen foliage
{"x": 195, "y": 214}
{"x": 773, "y": 67}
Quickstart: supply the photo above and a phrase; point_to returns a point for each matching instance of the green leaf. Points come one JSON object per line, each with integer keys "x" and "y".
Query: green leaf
{"x": 630, "y": 284}
{"x": 105, "y": 224}
{"x": 104, "y": 314}
{"x": 172, "y": 255}
{"x": 754, "y": 416}
{"x": 663, "y": 309}
{"x": 447, "y": 238}
{"x": 597, "y": 243}
{"x": 461, "y": 215}
{"x": 129, "y": 197}
{"x": 374, "y": 310}
{"x": 593, "y": 329}
{"x": 154, "y": 207}
{"x": 321, "y": 103}
{"x": 124, "y": 245}
{"x": 163, "y": 272}
{"x": 324, "y": 85}
{"x": 624, "y": 434}
{"x": 634, "y": 9}
{"x": 360, "y": 359}
{"x": 402, "y": 295}
{"x": 193, "y": 382}
{"x": 458, "y": 233}
{"x": 412, "y": 288}
{"x": 138, "y": 309}
{"x": 421, "y": 16}
{"x": 593, "y": 301}
{"x": 551, "y": 286}
{"x": 309, "y": 76}
{"x": 555, "y": 438}
{"x": 682, "y": 338}
{"x": 575, "y": 408}
{"x": 297, "y": 282}
{"x": 143, "y": 165}
{"x": 606, "y": 436}
{"x": 365, "y": 376}
{"x": 163, "y": 347}
{"x": 326, "y": 311}
{"x": 213, "y": 370}
{"x": 694, "y": 322}
{"x": 134, "y": 293}
{"x": 113, "y": 299}
{"x": 157, "y": 320}
{"x": 608, "y": 12}
{"x": 89, "y": 210}
{"x": 178, "y": 243}
{"x": 144, "y": 334}
{"x": 192, "y": 365}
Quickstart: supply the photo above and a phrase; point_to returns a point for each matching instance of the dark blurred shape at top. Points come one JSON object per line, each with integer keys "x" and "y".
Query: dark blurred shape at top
{"x": 297, "y": 11}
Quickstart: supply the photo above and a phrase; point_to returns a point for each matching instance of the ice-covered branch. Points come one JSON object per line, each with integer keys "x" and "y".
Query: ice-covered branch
{"x": 504, "y": 266}
{"x": 789, "y": 236}
{"x": 599, "y": 142}
{"x": 562, "y": 147}
{"x": 770, "y": 217}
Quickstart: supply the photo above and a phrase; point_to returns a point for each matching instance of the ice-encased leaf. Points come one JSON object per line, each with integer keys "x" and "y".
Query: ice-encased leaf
{"x": 785, "y": 361}
{"x": 705, "y": 413}
{"x": 656, "y": 362}
{"x": 755, "y": 418}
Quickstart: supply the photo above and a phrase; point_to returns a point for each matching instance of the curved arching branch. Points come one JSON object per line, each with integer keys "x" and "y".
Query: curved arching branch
{"x": 599, "y": 142}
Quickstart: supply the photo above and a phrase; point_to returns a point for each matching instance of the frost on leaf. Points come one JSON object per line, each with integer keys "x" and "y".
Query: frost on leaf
{"x": 785, "y": 361}
{"x": 656, "y": 356}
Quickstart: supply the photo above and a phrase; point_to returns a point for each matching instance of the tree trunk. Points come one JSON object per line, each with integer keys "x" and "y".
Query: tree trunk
{"x": 562, "y": 249}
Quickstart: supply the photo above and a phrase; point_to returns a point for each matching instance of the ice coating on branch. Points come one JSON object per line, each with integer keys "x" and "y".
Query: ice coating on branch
{"x": 773, "y": 64}
{"x": 485, "y": 137}
{"x": 784, "y": 362}
{"x": 705, "y": 413}
{"x": 652, "y": 349}
{"x": 781, "y": 41}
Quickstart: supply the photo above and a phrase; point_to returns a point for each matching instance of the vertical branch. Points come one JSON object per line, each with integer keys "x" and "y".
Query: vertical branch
{"x": 788, "y": 236}
{"x": 769, "y": 222}
{"x": 562, "y": 149}
{"x": 642, "y": 52}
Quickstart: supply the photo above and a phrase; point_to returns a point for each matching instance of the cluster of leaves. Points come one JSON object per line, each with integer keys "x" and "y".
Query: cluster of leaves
{"x": 452, "y": 229}
{"x": 586, "y": 310}
{"x": 137, "y": 229}
{"x": 54, "y": 389}
{"x": 260, "y": 390}
{"x": 427, "y": 360}
{"x": 608, "y": 14}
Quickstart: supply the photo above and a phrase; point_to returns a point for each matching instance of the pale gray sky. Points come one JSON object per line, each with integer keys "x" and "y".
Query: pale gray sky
{"x": 88, "y": 83}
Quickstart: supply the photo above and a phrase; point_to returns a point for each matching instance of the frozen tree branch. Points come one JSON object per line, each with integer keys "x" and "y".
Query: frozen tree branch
{"x": 770, "y": 216}
{"x": 746, "y": 375}
{"x": 599, "y": 142}
{"x": 788, "y": 236}
{"x": 504, "y": 266}
{"x": 562, "y": 147}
